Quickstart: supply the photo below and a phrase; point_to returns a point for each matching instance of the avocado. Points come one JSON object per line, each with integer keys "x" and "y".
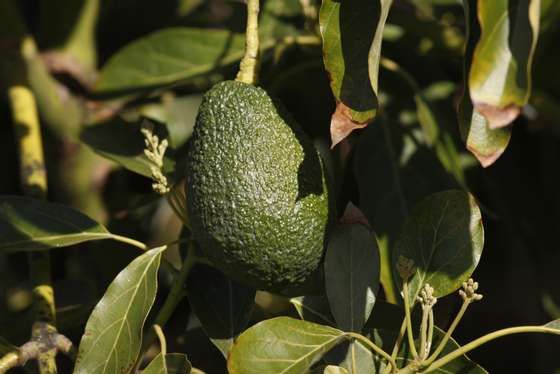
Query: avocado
{"x": 257, "y": 190}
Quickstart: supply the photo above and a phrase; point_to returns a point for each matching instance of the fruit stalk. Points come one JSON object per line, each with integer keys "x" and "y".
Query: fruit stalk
{"x": 248, "y": 67}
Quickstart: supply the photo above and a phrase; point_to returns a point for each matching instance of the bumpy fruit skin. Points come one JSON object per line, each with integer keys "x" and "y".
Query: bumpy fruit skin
{"x": 257, "y": 192}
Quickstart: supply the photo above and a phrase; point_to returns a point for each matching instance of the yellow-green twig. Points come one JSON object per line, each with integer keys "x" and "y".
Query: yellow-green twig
{"x": 249, "y": 63}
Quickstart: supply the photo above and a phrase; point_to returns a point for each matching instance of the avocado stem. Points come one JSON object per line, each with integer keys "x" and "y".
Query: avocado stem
{"x": 248, "y": 67}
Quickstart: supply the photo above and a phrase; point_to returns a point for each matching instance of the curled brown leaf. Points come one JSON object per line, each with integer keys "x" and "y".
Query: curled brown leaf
{"x": 342, "y": 124}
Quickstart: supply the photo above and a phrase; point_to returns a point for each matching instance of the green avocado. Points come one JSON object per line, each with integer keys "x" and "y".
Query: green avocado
{"x": 257, "y": 191}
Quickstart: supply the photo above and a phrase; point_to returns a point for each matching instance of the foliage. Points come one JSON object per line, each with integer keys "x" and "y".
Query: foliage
{"x": 430, "y": 108}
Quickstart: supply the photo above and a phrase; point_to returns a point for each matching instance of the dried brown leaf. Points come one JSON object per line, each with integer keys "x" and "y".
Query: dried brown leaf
{"x": 342, "y": 124}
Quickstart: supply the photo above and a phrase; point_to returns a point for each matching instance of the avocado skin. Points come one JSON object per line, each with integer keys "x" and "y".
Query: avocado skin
{"x": 257, "y": 191}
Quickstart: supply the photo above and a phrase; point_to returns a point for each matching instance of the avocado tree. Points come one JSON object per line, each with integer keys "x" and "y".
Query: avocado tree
{"x": 277, "y": 186}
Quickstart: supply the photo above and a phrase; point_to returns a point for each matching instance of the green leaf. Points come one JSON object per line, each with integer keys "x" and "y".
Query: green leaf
{"x": 352, "y": 275}
{"x": 352, "y": 33}
{"x": 222, "y": 305}
{"x": 331, "y": 369}
{"x": 554, "y": 324}
{"x": 170, "y": 363}
{"x": 28, "y": 224}
{"x": 394, "y": 170}
{"x": 444, "y": 237}
{"x": 113, "y": 333}
{"x": 352, "y": 356}
{"x": 313, "y": 308}
{"x": 123, "y": 143}
{"x": 167, "y": 56}
{"x": 500, "y": 72}
{"x": 281, "y": 345}
{"x": 485, "y": 143}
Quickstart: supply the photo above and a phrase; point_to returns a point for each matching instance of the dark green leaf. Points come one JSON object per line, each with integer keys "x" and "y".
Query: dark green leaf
{"x": 281, "y": 345}
{"x": 313, "y": 308}
{"x": 352, "y": 32}
{"x": 6, "y": 347}
{"x": 167, "y": 56}
{"x": 113, "y": 333}
{"x": 170, "y": 363}
{"x": 352, "y": 275}
{"x": 444, "y": 237}
{"x": 28, "y": 224}
{"x": 500, "y": 72}
{"x": 123, "y": 143}
{"x": 222, "y": 305}
{"x": 485, "y": 143}
{"x": 394, "y": 170}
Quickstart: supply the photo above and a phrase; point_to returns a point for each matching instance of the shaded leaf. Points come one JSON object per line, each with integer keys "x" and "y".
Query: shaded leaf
{"x": 170, "y": 363}
{"x": 222, "y": 305}
{"x": 6, "y": 346}
{"x": 352, "y": 33}
{"x": 113, "y": 333}
{"x": 394, "y": 170}
{"x": 352, "y": 275}
{"x": 123, "y": 143}
{"x": 313, "y": 308}
{"x": 352, "y": 356}
{"x": 281, "y": 345}
{"x": 444, "y": 237}
{"x": 28, "y": 224}
{"x": 167, "y": 56}
{"x": 500, "y": 72}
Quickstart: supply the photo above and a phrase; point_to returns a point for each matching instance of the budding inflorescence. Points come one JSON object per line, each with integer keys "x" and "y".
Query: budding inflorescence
{"x": 426, "y": 297}
{"x": 155, "y": 151}
{"x": 469, "y": 291}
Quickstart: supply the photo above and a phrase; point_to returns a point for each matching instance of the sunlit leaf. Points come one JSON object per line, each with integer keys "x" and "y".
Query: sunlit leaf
{"x": 222, "y": 305}
{"x": 170, "y": 363}
{"x": 500, "y": 72}
{"x": 113, "y": 333}
{"x": 281, "y": 345}
{"x": 28, "y": 224}
{"x": 352, "y": 32}
{"x": 331, "y": 369}
{"x": 444, "y": 237}
{"x": 352, "y": 275}
{"x": 167, "y": 56}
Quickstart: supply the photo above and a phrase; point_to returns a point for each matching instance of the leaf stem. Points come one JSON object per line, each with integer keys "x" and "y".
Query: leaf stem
{"x": 424, "y": 332}
{"x": 407, "y": 310}
{"x": 248, "y": 67}
{"x": 9, "y": 361}
{"x": 485, "y": 339}
{"x": 449, "y": 332}
{"x": 375, "y": 348}
{"x": 397, "y": 345}
{"x": 132, "y": 242}
{"x": 430, "y": 331}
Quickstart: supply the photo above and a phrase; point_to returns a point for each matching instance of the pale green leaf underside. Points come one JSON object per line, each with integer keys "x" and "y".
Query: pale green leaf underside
{"x": 113, "y": 333}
